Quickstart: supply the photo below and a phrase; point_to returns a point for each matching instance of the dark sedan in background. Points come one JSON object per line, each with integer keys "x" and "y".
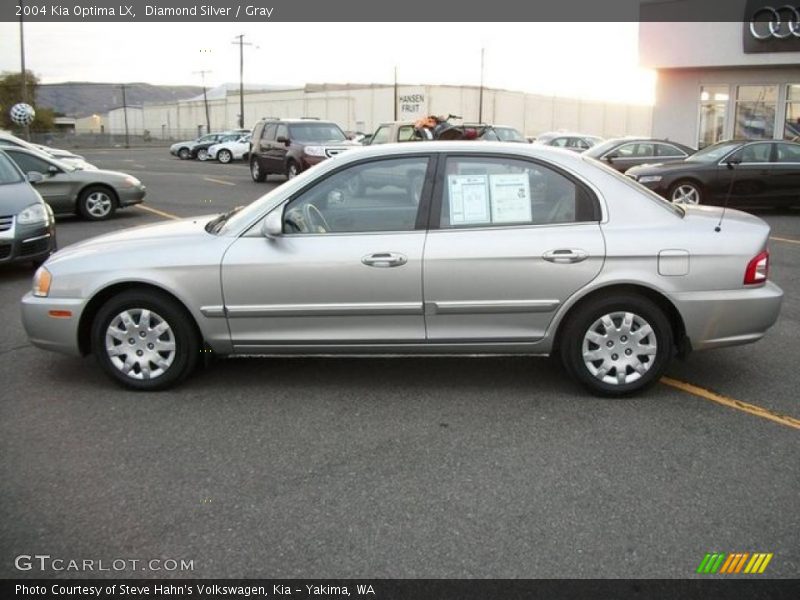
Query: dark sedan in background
{"x": 624, "y": 153}
{"x": 759, "y": 173}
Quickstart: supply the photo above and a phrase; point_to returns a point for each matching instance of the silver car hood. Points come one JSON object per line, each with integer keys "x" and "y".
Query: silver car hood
{"x": 160, "y": 234}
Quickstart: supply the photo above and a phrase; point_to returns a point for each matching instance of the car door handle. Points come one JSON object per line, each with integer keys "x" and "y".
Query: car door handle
{"x": 385, "y": 259}
{"x": 565, "y": 255}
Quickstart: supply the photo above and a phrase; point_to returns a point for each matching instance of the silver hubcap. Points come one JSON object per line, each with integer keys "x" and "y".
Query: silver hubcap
{"x": 619, "y": 348}
{"x": 202, "y": 154}
{"x": 686, "y": 194}
{"x": 98, "y": 204}
{"x": 292, "y": 171}
{"x": 140, "y": 343}
{"x": 254, "y": 170}
{"x": 224, "y": 157}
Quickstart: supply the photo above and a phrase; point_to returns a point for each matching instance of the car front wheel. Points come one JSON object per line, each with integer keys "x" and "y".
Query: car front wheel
{"x": 686, "y": 192}
{"x": 224, "y": 156}
{"x": 292, "y": 170}
{"x": 202, "y": 154}
{"x": 256, "y": 172}
{"x": 96, "y": 203}
{"x": 618, "y": 345}
{"x": 184, "y": 154}
{"x": 145, "y": 340}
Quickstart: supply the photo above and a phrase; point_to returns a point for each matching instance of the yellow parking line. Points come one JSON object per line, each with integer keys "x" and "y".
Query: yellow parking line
{"x": 155, "y": 211}
{"x": 218, "y": 181}
{"x": 758, "y": 411}
{"x": 786, "y": 240}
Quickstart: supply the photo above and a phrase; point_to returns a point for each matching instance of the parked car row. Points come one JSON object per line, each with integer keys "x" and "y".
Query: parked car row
{"x": 37, "y": 184}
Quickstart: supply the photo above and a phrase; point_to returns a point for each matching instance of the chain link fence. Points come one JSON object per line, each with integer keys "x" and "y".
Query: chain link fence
{"x": 69, "y": 140}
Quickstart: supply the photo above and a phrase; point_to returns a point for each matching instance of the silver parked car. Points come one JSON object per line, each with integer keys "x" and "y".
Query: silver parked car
{"x": 506, "y": 249}
{"x": 93, "y": 194}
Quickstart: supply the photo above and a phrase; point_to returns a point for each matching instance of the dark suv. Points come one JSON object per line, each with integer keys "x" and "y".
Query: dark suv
{"x": 290, "y": 146}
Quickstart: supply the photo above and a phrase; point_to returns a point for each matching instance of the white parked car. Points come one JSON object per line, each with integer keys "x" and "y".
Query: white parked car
{"x": 225, "y": 152}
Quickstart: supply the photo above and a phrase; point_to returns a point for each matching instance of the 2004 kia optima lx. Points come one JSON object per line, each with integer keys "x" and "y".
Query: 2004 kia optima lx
{"x": 447, "y": 247}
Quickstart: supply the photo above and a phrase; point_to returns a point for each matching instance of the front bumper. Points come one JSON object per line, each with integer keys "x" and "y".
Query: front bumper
{"x": 131, "y": 195}
{"x": 728, "y": 317}
{"x": 52, "y": 333}
{"x": 28, "y": 243}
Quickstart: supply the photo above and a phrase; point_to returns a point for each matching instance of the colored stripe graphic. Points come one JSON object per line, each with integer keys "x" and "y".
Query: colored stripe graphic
{"x": 734, "y": 563}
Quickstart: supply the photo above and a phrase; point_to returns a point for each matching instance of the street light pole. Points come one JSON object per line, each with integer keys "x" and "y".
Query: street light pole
{"x": 242, "y": 44}
{"x": 125, "y": 114}
{"x": 205, "y": 99}
{"x": 22, "y": 65}
{"x": 480, "y": 96}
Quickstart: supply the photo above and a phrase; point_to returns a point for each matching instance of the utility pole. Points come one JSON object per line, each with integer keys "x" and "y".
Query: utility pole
{"x": 480, "y": 96}
{"x": 22, "y": 65}
{"x": 125, "y": 114}
{"x": 395, "y": 92}
{"x": 205, "y": 98}
{"x": 242, "y": 44}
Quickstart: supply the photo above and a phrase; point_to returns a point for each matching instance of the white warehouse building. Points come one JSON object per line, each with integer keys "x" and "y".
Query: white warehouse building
{"x": 362, "y": 107}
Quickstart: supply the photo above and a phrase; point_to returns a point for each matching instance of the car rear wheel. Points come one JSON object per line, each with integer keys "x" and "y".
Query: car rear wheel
{"x": 224, "y": 156}
{"x": 202, "y": 154}
{"x": 96, "y": 203}
{"x": 184, "y": 154}
{"x": 145, "y": 340}
{"x": 686, "y": 192}
{"x": 618, "y": 345}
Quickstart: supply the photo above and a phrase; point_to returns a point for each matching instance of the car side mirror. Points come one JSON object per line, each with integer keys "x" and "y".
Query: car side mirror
{"x": 272, "y": 226}
{"x": 730, "y": 163}
{"x": 52, "y": 170}
{"x": 282, "y": 139}
{"x": 35, "y": 177}
{"x": 611, "y": 157}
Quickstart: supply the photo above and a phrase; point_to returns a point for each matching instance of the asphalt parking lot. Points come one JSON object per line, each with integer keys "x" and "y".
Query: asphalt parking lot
{"x": 414, "y": 467}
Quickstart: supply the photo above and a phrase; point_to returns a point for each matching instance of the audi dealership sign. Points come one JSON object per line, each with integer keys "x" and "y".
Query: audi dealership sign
{"x": 771, "y": 27}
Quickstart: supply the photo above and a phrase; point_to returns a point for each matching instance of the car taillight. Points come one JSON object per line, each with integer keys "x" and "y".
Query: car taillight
{"x": 757, "y": 269}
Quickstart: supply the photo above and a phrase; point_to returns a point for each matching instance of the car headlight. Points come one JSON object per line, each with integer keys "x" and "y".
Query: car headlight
{"x": 315, "y": 150}
{"x": 649, "y": 178}
{"x": 131, "y": 181}
{"x": 35, "y": 213}
{"x": 41, "y": 282}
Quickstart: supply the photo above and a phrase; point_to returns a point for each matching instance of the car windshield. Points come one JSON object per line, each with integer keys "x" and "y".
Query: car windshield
{"x": 316, "y": 132}
{"x": 673, "y": 208}
{"x": 509, "y": 134}
{"x": 714, "y": 152}
{"x": 8, "y": 172}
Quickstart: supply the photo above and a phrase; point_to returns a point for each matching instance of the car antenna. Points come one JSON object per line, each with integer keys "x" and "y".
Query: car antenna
{"x": 729, "y": 164}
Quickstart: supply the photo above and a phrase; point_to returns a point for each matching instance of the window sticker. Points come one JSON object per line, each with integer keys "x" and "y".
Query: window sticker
{"x": 469, "y": 199}
{"x": 510, "y": 198}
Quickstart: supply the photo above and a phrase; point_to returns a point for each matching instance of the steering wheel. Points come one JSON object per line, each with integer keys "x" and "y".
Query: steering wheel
{"x": 315, "y": 220}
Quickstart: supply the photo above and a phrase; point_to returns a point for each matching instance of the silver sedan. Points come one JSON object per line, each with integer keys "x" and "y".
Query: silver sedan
{"x": 453, "y": 248}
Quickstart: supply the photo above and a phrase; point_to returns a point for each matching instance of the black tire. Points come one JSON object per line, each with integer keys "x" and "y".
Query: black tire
{"x": 256, "y": 172}
{"x": 97, "y": 203}
{"x": 686, "y": 184}
{"x": 182, "y": 334}
{"x": 184, "y": 154}
{"x": 587, "y": 315}
{"x": 292, "y": 169}
{"x": 224, "y": 156}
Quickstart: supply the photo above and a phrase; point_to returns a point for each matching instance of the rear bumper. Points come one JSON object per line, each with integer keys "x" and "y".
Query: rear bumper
{"x": 728, "y": 317}
{"x": 59, "y": 334}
